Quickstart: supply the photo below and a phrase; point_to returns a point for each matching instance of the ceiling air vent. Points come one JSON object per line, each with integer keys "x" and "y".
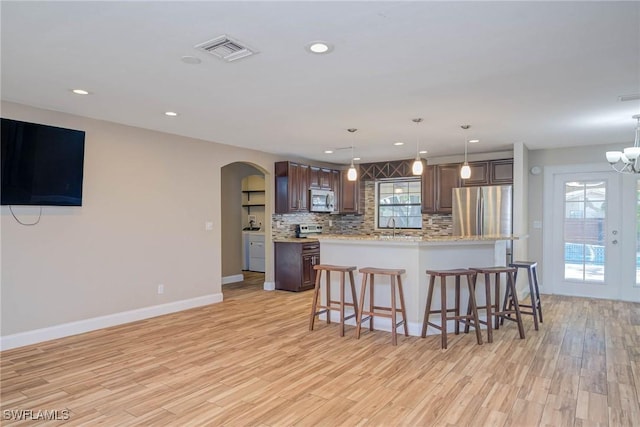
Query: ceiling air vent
{"x": 226, "y": 48}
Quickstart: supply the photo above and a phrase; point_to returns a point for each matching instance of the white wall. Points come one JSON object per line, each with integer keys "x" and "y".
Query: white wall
{"x": 147, "y": 196}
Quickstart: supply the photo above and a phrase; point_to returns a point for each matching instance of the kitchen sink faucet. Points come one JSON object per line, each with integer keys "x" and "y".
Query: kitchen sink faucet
{"x": 392, "y": 219}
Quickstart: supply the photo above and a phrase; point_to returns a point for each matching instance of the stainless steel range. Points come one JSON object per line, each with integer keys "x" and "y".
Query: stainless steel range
{"x": 308, "y": 230}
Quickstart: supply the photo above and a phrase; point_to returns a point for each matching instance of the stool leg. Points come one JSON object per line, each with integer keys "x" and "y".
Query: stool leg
{"x": 394, "y": 334}
{"x": 328, "y": 290}
{"x": 474, "y": 309}
{"x": 474, "y": 277}
{"x": 538, "y": 301}
{"x": 487, "y": 291}
{"x": 443, "y": 311}
{"x": 314, "y": 303}
{"x": 427, "y": 310}
{"x": 403, "y": 312}
{"x": 507, "y": 304}
{"x": 353, "y": 294}
{"x": 457, "y": 306}
{"x": 372, "y": 288}
{"x": 363, "y": 290}
{"x": 516, "y": 305}
{"x": 534, "y": 299}
{"x": 342, "y": 303}
{"x": 497, "y": 302}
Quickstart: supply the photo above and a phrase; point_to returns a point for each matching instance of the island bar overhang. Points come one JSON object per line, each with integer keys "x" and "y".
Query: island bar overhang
{"x": 415, "y": 255}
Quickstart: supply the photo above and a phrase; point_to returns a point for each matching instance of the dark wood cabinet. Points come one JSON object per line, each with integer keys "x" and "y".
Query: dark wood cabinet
{"x": 437, "y": 183}
{"x": 428, "y": 185}
{"x": 350, "y": 195}
{"x": 501, "y": 172}
{"x": 490, "y": 172}
{"x": 479, "y": 174}
{"x": 335, "y": 186}
{"x": 292, "y": 187}
{"x": 294, "y": 263}
{"x": 320, "y": 178}
{"x": 447, "y": 178}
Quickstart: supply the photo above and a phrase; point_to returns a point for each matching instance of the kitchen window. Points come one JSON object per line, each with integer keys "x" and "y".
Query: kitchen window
{"x": 399, "y": 201}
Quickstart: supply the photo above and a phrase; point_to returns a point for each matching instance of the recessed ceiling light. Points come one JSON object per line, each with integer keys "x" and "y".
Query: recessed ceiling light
{"x": 356, "y": 158}
{"x": 398, "y": 143}
{"x": 473, "y": 141}
{"x": 170, "y": 114}
{"x": 190, "y": 59}
{"x": 319, "y": 47}
{"x": 423, "y": 152}
{"x": 328, "y": 151}
{"x": 80, "y": 91}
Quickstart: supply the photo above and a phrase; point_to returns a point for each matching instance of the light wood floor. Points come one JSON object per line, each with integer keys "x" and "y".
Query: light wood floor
{"x": 251, "y": 361}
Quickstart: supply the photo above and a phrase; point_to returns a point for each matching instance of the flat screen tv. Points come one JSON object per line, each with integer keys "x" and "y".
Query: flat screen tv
{"x": 41, "y": 165}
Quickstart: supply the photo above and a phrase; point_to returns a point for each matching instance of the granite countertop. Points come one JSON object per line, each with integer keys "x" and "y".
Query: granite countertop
{"x": 295, "y": 239}
{"x": 418, "y": 238}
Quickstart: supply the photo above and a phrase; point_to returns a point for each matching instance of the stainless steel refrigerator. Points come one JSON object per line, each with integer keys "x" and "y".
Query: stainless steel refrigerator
{"x": 483, "y": 211}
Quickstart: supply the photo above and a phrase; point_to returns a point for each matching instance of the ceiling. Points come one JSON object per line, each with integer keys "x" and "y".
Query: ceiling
{"x": 547, "y": 74}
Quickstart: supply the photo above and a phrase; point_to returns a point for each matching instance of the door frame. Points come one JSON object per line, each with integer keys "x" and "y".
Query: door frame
{"x": 626, "y": 184}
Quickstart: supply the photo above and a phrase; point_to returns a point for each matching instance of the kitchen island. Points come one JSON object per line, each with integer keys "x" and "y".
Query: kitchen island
{"x": 415, "y": 255}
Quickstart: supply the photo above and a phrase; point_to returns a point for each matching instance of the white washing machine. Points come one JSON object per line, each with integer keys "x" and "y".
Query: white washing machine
{"x": 253, "y": 251}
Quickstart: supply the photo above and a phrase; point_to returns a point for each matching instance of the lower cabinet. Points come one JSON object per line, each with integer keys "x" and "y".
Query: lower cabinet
{"x": 294, "y": 263}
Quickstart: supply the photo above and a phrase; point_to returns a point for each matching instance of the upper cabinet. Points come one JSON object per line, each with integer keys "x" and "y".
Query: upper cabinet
{"x": 501, "y": 172}
{"x": 438, "y": 181}
{"x": 447, "y": 178}
{"x": 292, "y": 187}
{"x": 479, "y": 174}
{"x": 320, "y": 178}
{"x": 490, "y": 172}
{"x": 294, "y": 180}
{"x": 349, "y": 196}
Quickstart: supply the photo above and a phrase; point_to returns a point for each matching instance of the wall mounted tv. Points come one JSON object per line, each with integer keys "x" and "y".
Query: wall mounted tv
{"x": 41, "y": 165}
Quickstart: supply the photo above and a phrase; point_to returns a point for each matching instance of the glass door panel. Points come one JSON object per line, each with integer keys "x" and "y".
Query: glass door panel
{"x": 584, "y": 230}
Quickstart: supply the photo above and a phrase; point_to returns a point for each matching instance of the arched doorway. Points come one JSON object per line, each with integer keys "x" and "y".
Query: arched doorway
{"x": 244, "y": 196}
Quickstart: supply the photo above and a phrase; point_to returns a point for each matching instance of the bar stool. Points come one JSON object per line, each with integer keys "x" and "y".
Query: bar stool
{"x": 330, "y": 305}
{"x": 471, "y": 317}
{"x": 492, "y": 309}
{"x": 534, "y": 292}
{"x": 394, "y": 276}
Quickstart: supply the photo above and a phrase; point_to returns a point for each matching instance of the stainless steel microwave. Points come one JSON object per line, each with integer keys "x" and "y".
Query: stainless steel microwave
{"x": 322, "y": 201}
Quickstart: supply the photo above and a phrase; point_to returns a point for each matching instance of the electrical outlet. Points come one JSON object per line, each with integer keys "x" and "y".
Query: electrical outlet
{"x": 160, "y": 289}
{"x": 208, "y": 226}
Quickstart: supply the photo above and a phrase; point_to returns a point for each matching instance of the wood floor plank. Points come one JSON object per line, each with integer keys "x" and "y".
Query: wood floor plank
{"x": 251, "y": 360}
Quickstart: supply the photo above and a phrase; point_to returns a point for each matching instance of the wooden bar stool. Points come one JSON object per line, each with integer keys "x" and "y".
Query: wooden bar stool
{"x": 317, "y": 309}
{"x": 469, "y": 318}
{"x": 534, "y": 292}
{"x": 494, "y": 314}
{"x": 394, "y": 275}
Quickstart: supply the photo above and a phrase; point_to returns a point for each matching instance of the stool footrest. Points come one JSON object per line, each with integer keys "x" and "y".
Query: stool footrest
{"x": 319, "y": 312}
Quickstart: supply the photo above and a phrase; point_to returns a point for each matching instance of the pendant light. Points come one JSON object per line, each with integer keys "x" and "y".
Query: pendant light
{"x": 352, "y": 173}
{"x": 465, "y": 171}
{"x": 417, "y": 163}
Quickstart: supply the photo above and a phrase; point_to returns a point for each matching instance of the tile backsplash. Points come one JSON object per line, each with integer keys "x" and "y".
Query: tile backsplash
{"x": 284, "y": 225}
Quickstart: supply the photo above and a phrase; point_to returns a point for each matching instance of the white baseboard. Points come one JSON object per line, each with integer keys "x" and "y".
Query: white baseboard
{"x": 232, "y": 279}
{"x": 73, "y": 328}
{"x": 269, "y": 286}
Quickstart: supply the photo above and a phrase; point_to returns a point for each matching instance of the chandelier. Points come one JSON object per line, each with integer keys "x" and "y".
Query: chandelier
{"x": 627, "y": 161}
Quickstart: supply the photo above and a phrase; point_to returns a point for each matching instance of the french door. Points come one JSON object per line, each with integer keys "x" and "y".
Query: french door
{"x": 586, "y": 243}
